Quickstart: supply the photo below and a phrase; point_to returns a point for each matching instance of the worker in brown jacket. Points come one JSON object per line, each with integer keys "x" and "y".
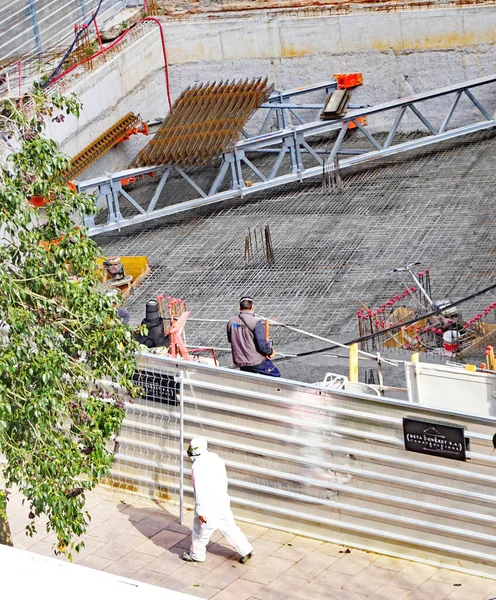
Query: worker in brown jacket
{"x": 251, "y": 351}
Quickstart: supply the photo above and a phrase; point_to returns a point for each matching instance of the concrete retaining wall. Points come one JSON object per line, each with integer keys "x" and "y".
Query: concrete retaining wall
{"x": 399, "y": 53}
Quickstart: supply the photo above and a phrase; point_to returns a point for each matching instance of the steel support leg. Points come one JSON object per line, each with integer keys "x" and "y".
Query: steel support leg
{"x": 220, "y": 177}
{"x": 158, "y": 191}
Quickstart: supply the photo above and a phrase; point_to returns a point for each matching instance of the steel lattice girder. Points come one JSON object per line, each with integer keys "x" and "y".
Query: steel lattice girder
{"x": 292, "y": 144}
{"x": 279, "y": 104}
{"x": 102, "y": 144}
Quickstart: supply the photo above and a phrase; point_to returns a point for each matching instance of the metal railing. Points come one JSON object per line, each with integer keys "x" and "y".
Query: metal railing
{"x": 36, "y": 25}
{"x": 306, "y": 150}
{"x": 38, "y": 39}
{"x": 314, "y": 461}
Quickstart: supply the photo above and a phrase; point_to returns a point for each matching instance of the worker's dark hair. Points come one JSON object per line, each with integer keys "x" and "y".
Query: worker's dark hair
{"x": 246, "y": 303}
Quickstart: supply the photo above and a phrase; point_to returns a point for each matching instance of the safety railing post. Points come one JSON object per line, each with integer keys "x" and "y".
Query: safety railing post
{"x": 181, "y": 449}
{"x": 353, "y": 375}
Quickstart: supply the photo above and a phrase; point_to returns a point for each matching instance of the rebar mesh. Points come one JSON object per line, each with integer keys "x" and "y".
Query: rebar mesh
{"x": 332, "y": 248}
{"x": 205, "y": 121}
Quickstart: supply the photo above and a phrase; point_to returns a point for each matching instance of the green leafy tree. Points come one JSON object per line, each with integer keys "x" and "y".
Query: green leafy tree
{"x": 60, "y": 335}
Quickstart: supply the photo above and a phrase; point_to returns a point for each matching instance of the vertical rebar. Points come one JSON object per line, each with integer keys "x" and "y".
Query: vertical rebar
{"x": 268, "y": 245}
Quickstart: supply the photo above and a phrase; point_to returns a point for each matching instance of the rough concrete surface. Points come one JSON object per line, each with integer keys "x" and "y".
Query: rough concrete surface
{"x": 333, "y": 249}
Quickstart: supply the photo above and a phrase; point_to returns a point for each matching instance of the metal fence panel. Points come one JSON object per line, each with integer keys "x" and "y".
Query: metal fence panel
{"x": 35, "y": 25}
{"x": 316, "y": 462}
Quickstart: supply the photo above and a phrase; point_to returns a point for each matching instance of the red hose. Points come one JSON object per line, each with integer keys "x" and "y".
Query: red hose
{"x": 116, "y": 41}
{"x": 97, "y": 32}
{"x": 166, "y": 64}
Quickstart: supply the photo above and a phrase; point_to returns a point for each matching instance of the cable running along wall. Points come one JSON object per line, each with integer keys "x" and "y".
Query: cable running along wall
{"x": 37, "y": 25}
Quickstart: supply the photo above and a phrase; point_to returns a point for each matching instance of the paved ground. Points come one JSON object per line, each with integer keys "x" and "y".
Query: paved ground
{"x": 141, "y": 539}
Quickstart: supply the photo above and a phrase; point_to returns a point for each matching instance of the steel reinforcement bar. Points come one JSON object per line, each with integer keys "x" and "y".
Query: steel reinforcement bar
{"x": 307, "y": 150}
{"x": 109, "y": 138}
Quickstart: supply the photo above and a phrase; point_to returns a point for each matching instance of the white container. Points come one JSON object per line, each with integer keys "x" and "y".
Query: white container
{"x": 451, "y": 341}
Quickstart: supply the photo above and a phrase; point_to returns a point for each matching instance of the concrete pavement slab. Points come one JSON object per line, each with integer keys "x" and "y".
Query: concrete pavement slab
{"x": 142, "y": 539}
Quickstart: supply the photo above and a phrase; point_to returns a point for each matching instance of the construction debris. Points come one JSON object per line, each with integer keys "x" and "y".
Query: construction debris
{"x": 128, "y": 125}
{"x": 123, "y": 273}
{"x": 114, "y": 271}
{"x": 206, "y": 120}
{"x": 446, "y": 333}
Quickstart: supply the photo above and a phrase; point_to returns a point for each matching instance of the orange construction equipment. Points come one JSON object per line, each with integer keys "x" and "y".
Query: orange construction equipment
{"x": 178, "y": 315}
{"x": 143, "y": 128}
{"x": 348, "y": 80}
{"x": 361, "y": 120}
{"x": 177, "y": 343}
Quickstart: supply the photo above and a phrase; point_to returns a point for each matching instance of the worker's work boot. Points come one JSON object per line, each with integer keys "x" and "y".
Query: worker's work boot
{"x": 247, "y": 557}
{"x": 189, "y": 558}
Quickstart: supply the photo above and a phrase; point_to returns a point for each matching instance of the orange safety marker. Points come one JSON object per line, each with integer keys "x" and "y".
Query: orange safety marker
{"x": 128, "y": 180}
{"x": 143, "y": 128}
{"x": 489, "y": 352}
{"x": 348, "y": 80}
{"x": 361, "y": 120}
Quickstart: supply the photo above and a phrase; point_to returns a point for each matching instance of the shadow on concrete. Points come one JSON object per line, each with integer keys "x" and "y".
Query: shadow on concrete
{"x": 164, "y": 530}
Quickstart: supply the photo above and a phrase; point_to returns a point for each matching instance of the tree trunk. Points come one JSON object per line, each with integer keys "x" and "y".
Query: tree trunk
{"x": 5, "y": 535}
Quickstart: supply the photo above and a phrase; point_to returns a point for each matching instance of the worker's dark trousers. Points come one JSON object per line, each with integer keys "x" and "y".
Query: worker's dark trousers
{"x": 266, "y": 367}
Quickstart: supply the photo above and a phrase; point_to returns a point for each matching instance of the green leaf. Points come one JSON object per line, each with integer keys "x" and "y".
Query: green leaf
{"x": 63, "y": 333}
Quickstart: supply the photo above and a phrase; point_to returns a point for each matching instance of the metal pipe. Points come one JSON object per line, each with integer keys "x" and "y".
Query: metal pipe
{"x": 227, "y": 320}
{"x": 166, "y": 63}
{"x": 421, "y": 287}
{"x": 323, "y": 339}
{"x": 181, "y": 450}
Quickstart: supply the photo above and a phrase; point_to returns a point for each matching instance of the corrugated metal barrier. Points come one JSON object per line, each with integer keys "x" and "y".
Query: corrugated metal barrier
{"x": 313, "y": 461}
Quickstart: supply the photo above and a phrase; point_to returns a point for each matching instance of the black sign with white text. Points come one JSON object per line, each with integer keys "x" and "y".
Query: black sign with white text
{"x": 435, "y": 438}
{"x": 157, "y": 387}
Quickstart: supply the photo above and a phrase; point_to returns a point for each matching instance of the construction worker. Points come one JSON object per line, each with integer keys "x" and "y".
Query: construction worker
{"x": 251, "y": 350}
{"x": 212, "y": 505}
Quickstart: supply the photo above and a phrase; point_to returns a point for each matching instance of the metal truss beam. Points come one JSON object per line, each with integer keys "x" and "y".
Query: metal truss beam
{"x": 289, "y": 151}
{"x": 279, "y": 104}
